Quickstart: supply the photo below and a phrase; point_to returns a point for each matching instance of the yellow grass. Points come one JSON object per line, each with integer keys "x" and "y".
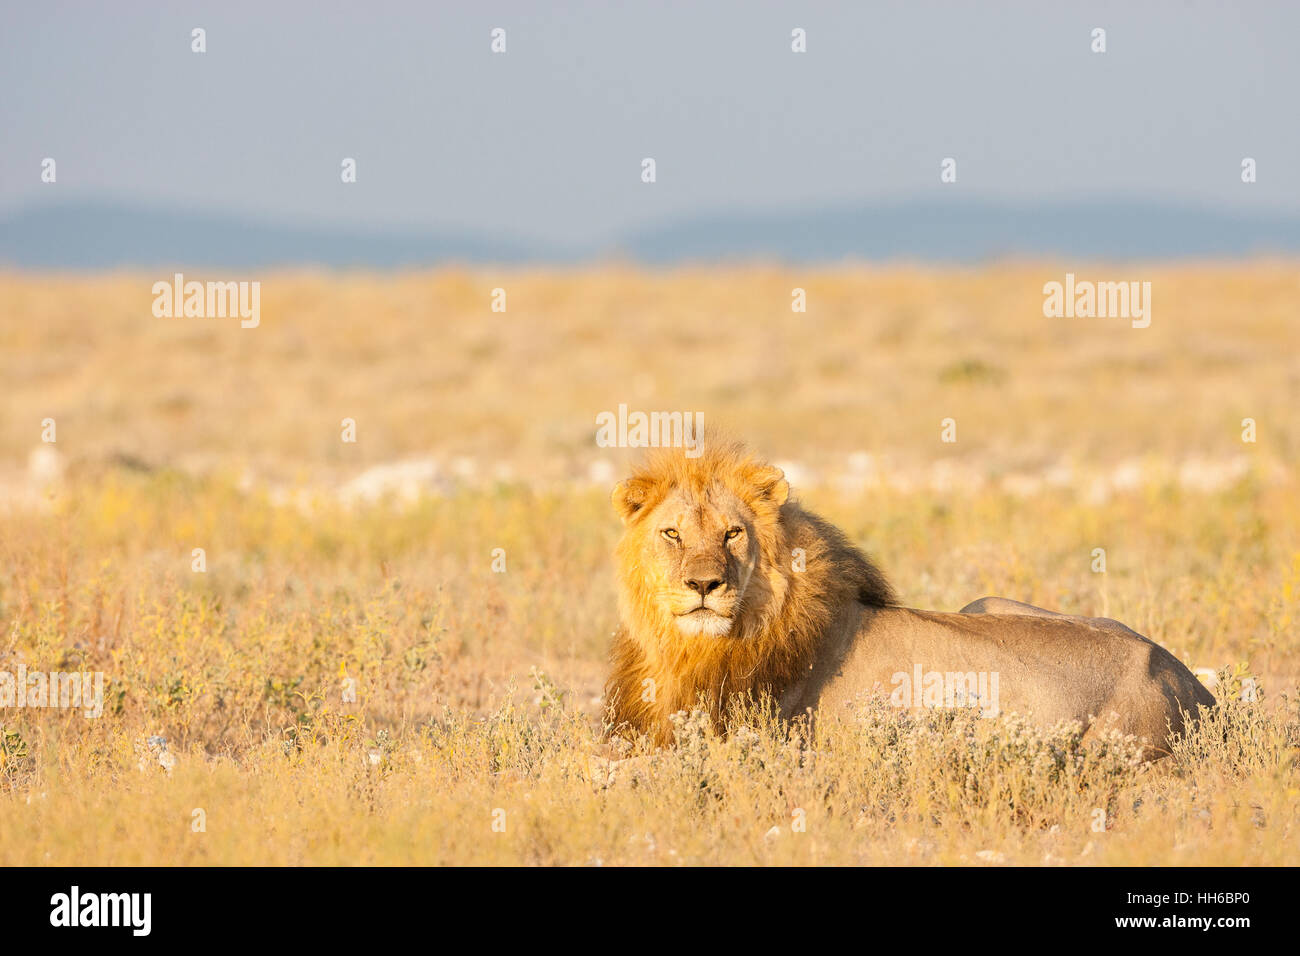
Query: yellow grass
{"x": 193, "y": 433}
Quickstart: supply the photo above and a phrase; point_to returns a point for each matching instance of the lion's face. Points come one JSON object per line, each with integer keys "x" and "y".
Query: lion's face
{"x": 693, "y": 547}
{"x": 700, "y": 554}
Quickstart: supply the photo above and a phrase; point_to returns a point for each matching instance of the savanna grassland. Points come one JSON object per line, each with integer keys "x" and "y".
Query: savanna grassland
{"x": 475, "y": 735}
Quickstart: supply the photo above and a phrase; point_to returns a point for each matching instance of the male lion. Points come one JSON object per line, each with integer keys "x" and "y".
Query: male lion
{"x": 726, "y": 587}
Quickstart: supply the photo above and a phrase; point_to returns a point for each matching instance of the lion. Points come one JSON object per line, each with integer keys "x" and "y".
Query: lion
{"x": 727, "y": 587}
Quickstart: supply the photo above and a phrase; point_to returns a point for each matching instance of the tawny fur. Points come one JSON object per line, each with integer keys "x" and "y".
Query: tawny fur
{"x": 770, "y": 649}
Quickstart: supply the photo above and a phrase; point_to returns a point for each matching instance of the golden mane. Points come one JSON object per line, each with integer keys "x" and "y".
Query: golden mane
{"x": 657, "y": 670}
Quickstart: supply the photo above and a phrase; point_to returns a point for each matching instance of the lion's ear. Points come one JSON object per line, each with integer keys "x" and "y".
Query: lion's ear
{"x": 630, "y": 497}
{"x": 770, "y": 483}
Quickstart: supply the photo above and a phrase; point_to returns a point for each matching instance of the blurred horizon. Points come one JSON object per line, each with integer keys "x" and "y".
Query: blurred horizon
{"x": 98, "y": 235}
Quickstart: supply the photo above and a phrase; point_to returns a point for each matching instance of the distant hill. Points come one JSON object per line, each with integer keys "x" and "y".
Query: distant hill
{"x": 105, "y": 235}
{"x": 931, "y": 231}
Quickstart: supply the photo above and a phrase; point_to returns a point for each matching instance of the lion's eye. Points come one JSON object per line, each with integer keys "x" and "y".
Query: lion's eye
{"x": 734, "y": 533}
{"x": 671, "y": 534}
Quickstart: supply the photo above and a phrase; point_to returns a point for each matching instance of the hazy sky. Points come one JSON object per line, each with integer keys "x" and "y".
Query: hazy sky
{"x": 546, "y": 140}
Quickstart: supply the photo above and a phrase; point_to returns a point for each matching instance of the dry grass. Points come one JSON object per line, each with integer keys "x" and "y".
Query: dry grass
{"x": 183, "y": 434}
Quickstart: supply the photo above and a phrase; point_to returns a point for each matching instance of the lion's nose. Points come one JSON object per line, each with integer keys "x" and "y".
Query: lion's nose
{"x": 702, "y": 585}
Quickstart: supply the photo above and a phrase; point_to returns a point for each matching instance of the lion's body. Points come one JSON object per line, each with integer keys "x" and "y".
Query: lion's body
{"x": 1049, "y": 668}
{"x": 727, "y": 587}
